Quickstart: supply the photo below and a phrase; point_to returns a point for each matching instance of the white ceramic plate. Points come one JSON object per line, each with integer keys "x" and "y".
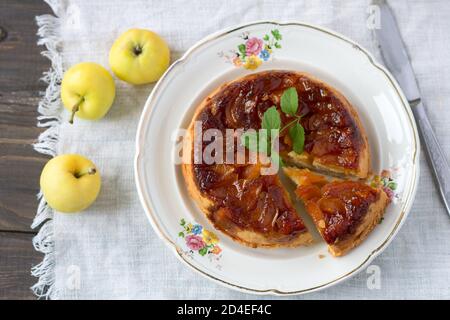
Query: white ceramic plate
{"x": 329, "y": 56}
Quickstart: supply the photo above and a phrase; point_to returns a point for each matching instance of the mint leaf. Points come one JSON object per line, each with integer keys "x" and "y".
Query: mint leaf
{"x": 289, "y": 101}
{"x": 297, "y": 134}
{"x": 271, "y": 119}
{"x": 249, "y": 139}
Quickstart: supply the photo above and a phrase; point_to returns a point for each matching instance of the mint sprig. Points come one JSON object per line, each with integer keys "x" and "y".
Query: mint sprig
{"x": 289, "y": 101}
{"x": 297, "y": 134}
{"x": 261, "y": 141}
{"x": 271, "y": 119}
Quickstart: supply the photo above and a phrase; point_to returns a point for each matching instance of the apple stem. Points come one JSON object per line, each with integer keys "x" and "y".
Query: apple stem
{"x": 90, "y": 171}
{"x": 75, "y": 109}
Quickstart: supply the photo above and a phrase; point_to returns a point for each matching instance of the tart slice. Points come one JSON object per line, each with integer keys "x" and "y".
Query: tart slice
{"x": 344, "y": 212}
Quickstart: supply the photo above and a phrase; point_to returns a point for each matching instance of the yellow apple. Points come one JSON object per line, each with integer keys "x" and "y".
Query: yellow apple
{"x": 70, "y": 183}
{"x": 87, "y": 91}
{"x": 139, "y": 56}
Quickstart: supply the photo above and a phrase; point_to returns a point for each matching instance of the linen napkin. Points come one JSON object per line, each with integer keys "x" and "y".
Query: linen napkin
{"x": 111, "y": 252}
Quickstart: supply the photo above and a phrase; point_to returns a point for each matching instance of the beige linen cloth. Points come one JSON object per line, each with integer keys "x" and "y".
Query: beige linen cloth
{"x": 110, "y": 251}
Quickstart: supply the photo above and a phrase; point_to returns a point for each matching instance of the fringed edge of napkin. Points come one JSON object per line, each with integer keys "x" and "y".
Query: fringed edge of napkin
{"x": 49, "y": 117}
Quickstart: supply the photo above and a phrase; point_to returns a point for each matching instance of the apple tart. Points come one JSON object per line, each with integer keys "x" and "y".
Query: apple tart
{"x": 255, "y": 209}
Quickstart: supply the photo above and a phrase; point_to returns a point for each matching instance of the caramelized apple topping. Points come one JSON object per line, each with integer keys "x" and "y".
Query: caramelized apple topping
{"x": 336, "y": 207}
{"x": 244, "y": 197}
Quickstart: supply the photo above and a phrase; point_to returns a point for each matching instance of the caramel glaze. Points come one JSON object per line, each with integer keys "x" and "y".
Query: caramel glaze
{"x": 337, "y": 207}
{"x": 240, "y": 194}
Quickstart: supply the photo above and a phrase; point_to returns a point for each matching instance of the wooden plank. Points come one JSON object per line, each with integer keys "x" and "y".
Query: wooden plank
{"x": 19, "y": 178}
{"x": 21, "y": 63}
{"x": 21, "y": 66}
{"x": 17, "y": 256}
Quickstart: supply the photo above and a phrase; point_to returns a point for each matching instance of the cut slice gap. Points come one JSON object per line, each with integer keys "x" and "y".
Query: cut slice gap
{"x": 344, "y": 212}
{"x": 299, "y": 207}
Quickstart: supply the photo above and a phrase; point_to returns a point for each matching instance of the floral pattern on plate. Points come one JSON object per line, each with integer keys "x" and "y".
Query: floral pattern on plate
{"x": 385, "y": 181}
{"x": 253, "y": 51}
{"x": 200, "y": 240}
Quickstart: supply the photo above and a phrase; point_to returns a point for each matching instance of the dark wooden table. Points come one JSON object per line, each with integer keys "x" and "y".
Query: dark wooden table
{"x": 21, "y": 67}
